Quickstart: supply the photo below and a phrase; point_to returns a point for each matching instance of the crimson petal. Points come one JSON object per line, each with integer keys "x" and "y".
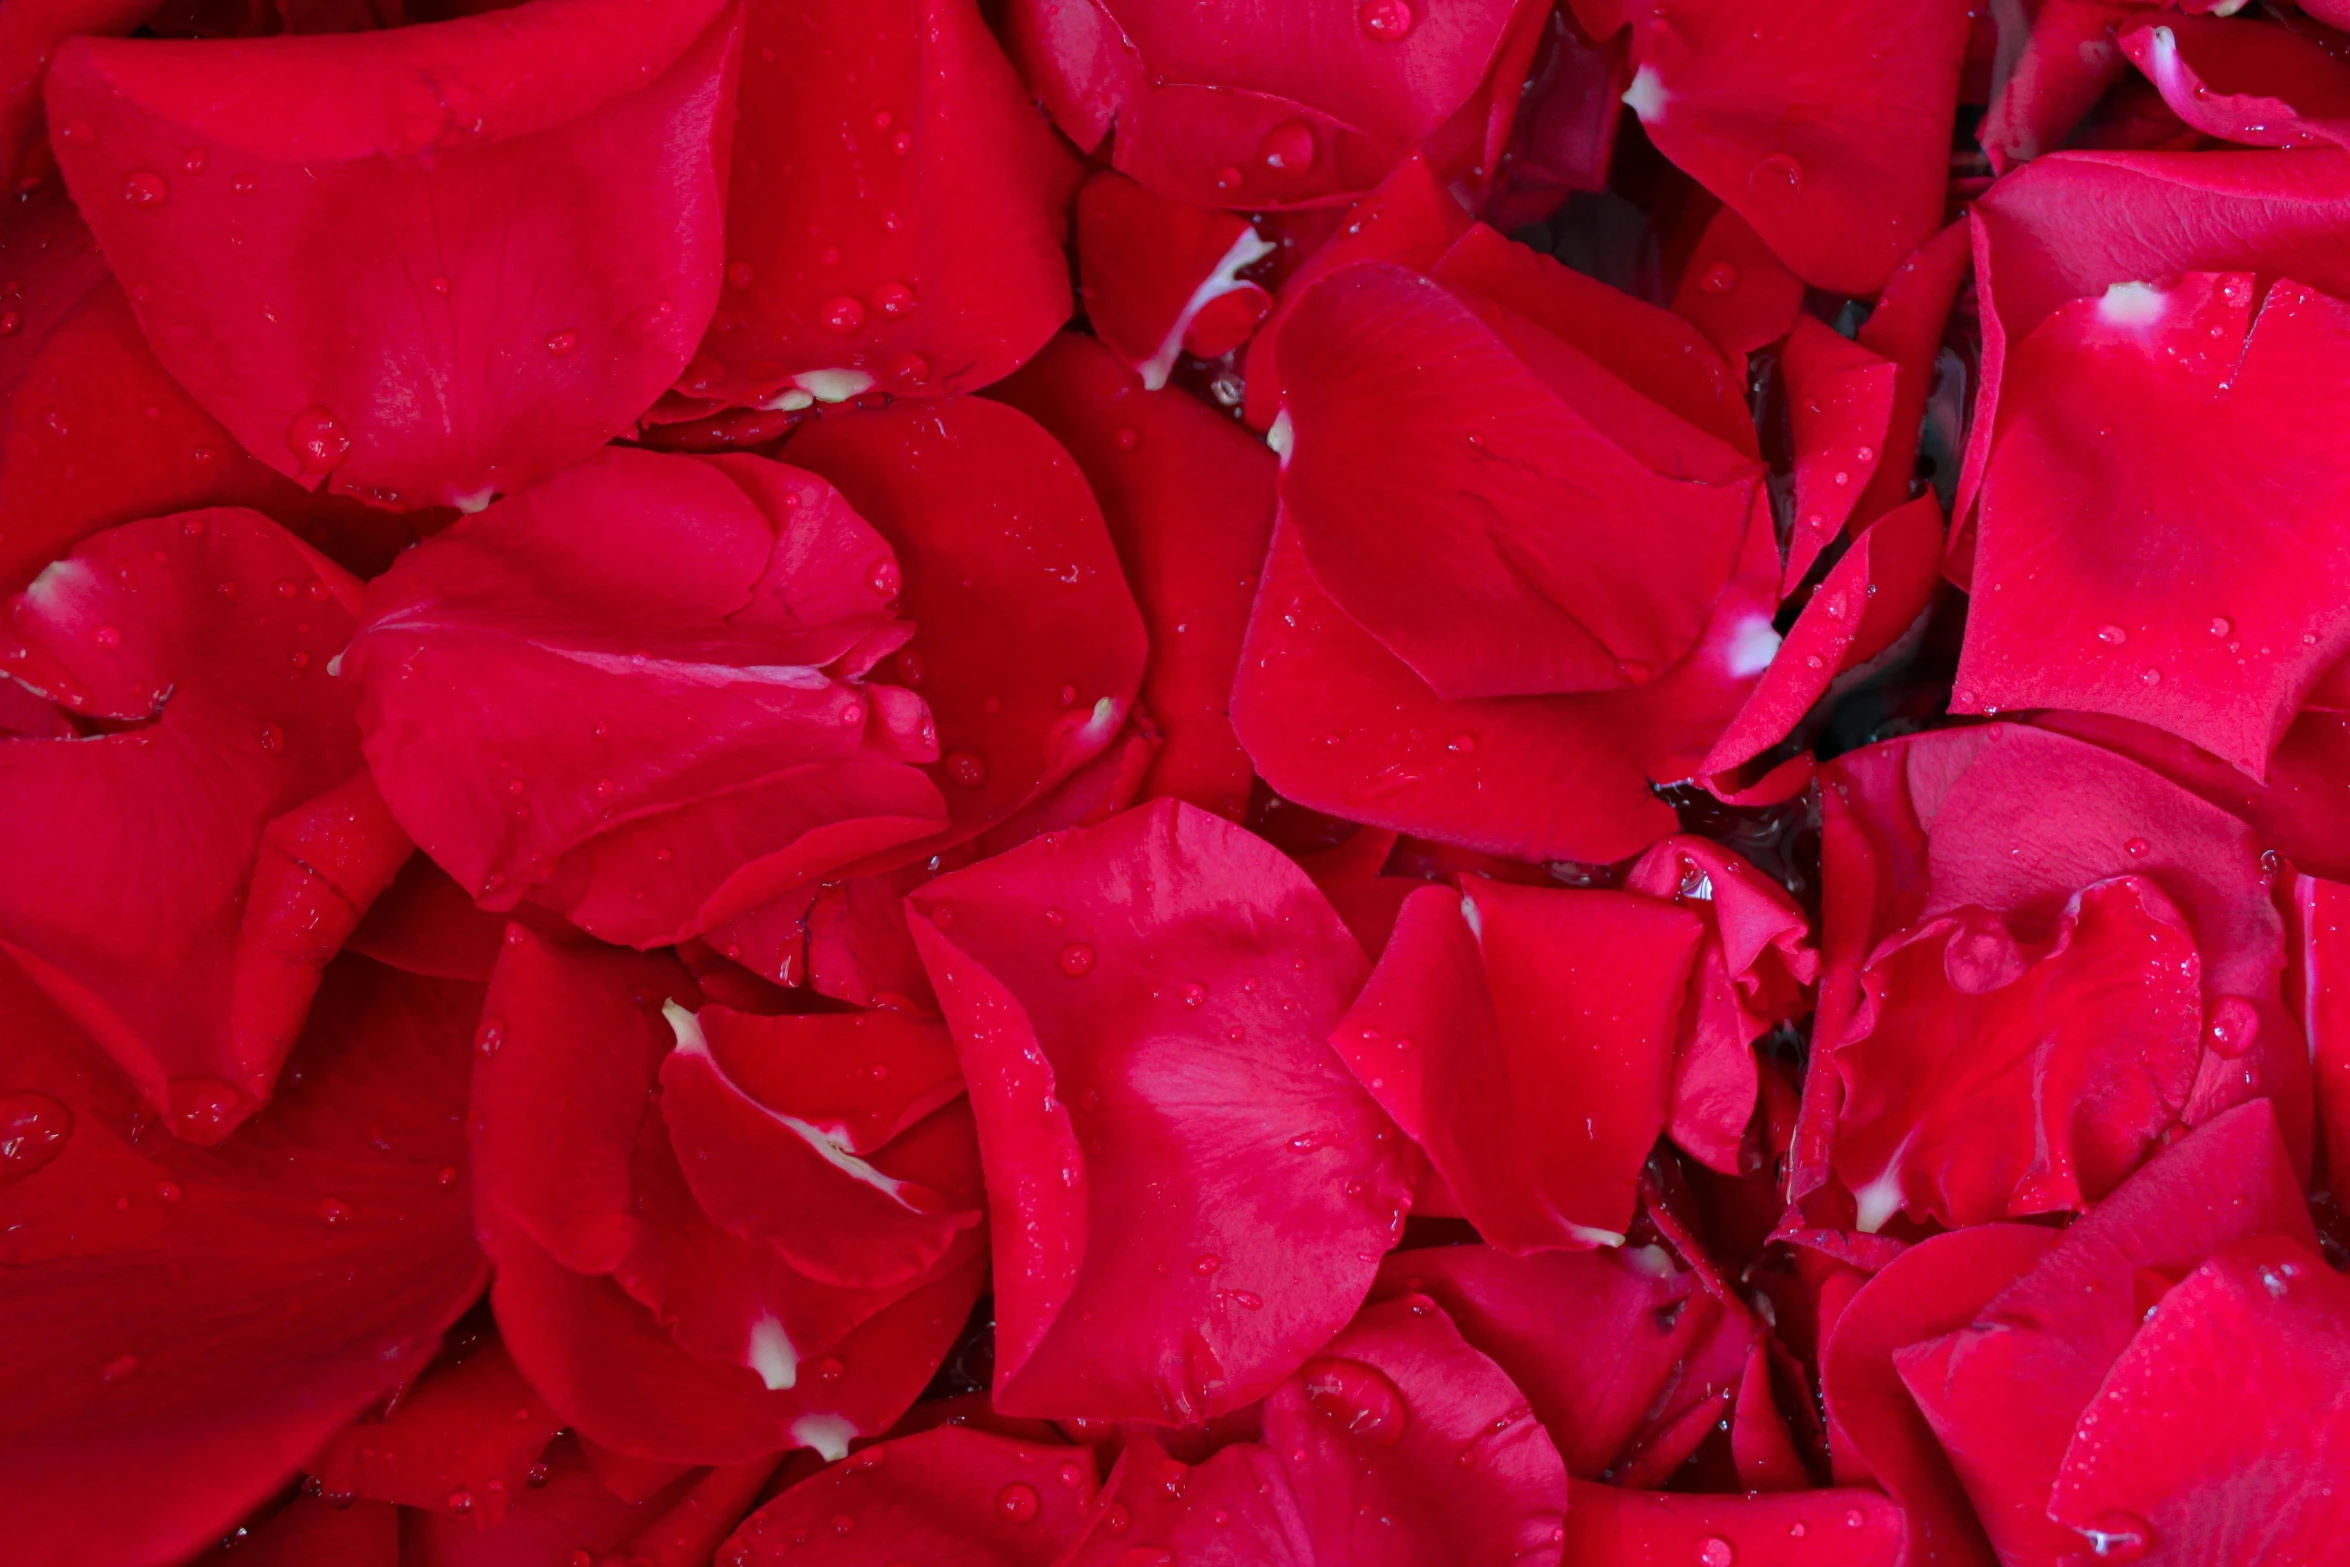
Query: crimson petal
{"x": 207, "y": 1318}
{"x": 609, "y": 693}
{"x": 898, "y": 133}
{"x": 1145, "y": 997}
{"x": 206, "y": 639}
{"x": 510, "y": 245}
{"x": 1850, "y": 1528}
{"x": 1501, "y": 1014}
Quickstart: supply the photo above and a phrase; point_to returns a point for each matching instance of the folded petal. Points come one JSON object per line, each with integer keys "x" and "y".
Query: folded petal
{"x": 1499, "y": 1016}
{"x": 1189, "y": 503}
{"x": 1839, "y": 407}
{"x": 1156, "y": 271}
{"x": 464, "y": 1438}
{"x": 2250, "y": 82}
{"x": 898, "y": 134}
{"x": 210, "y": 1316}
{"x": 202, "y": 644}
{"x": 1189, "y": 1192}
{"x": 523, "y": 278}
{"x": 629, "y": 694}
{"x": 1026, "y": 647}
{"x": 1734, "y": 290}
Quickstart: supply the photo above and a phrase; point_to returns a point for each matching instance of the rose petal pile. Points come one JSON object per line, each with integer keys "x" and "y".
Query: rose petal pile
{"x": 1108, "y": 783}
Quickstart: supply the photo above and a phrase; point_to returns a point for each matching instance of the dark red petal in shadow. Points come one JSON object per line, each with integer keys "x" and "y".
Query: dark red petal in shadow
{"x": 1189, "y": 1192}
{"x": 1875, "y": 1431}
{"x": 156, "y": 886}
{"x": 29, "y": 35}
{"x": 2212, "y": 623}
{"x": 1500, "y": 1014}
{"x": 2053, "y": 66}
{"x": 1026, "y": 642}
{"x": 1907, "y": 327}
{"x": 947, "y": 1497}
{"x": 1826, "y": 125}
{"x": 425, "y": 923}
{"x": 1189, "y": 503}
{"x": 609, "y": 693}
{"x": 206, "y": 1318}
{"x": 507, "y": 241}
{"x": 897, "y": 135}
{"x": 568, "y": 1510}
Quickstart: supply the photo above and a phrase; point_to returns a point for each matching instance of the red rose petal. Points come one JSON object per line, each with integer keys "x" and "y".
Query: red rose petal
{"x": 207, "y": 1318}
{"x": 1734, "y": 290}
{"x": 1026, "y": 646}
{"x": 2214, "y": 622}
{"x": 1825, "y": 125}
{"x": 1307, "y": 104}
{"x": 308, "y": 1530}
{"x": 2057, "y": 63}
{"x": 531, "y": 142}
{"x": 1851, "y": 1528}
{"x": 649, "y": 748}
{"x": 1907, "y": 327}
{"x": 894, "y": 215}
{"x": 572, "y": 1510}
{"x": 947, "y": 1497}
{"x": 2250, "y": 82}
{"x": 1151, "y": 266}
{"x": 1987, "y": 1077}
{"x": 1189, "y": 503}
{"x": 469, "y": 1427}
{"x": 802, "y": 1187}
{"x": 1502, "y": 1013}
{"x": 1613, "y": 1348}
{"x": 1839, "y": 404}
{"x": 2248, "y": 1353}
{"x": 1139, "y": 999}
{"x": 1399, "y": 1443}
{"x": 228, "y": 736}
{"x": 1874, "y": 1428}
{"x": 2004, "y": 1402}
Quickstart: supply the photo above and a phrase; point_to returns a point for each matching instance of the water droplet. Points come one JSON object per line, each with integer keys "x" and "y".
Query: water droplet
{"x": 1206, "y": 1263}
{"x": 119, "y": 1367}
{"x": 1714, "y": 1551}
{"x": 966, "y": 769}
{"x": 1016, "y": 1502}
{"x": 1288, "y": 147}
{"x": 1228, "y": 178}
{"x": 1193, "y": 993}
{"x": 11, "y": 322}
{"x": 489, "y": 1036}
{"x": 1077, "y": 960}
{"x": 145, "y": 188}
{"x": 843, "y": 315}
{"x": 1363, "y": 1402}
{"x": 2112, "y": 636}
{"x": 1116, "y": 1518}
{"x": 334, "y": 1211}
{"x": 461, "y": 1501}
{"x": 33, "y": 1130}
{"x": 1841, "y": 477}
{"x": 2152, "y": 677}
{"x": 2138, "y": 848}
{"x": 1776, "y": 178}
{"x": 910, "y": 370}
{"x": 895, "y": 299}
{"x": 1386, "y": 20}
{"x": 1719, "y": 278}
{"x": 318, "y": 441}
{"x": 1461, "y": 745}
{"x": 2220, "y": 626}
{"x": 2231, "y": 1028}
{"x": 272, "y": 738}
{"x": 1127, "y": 438}
{"x": 561, "y": 343}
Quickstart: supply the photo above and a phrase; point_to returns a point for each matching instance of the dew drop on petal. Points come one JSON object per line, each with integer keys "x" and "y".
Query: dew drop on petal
{"x": 145, "y": 188}
{"x": 1016, "y": 1503}
{"x": 1288, "y": 147}
{"x": 1386, "y": 20}
{"x": 1077, "y": 960}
